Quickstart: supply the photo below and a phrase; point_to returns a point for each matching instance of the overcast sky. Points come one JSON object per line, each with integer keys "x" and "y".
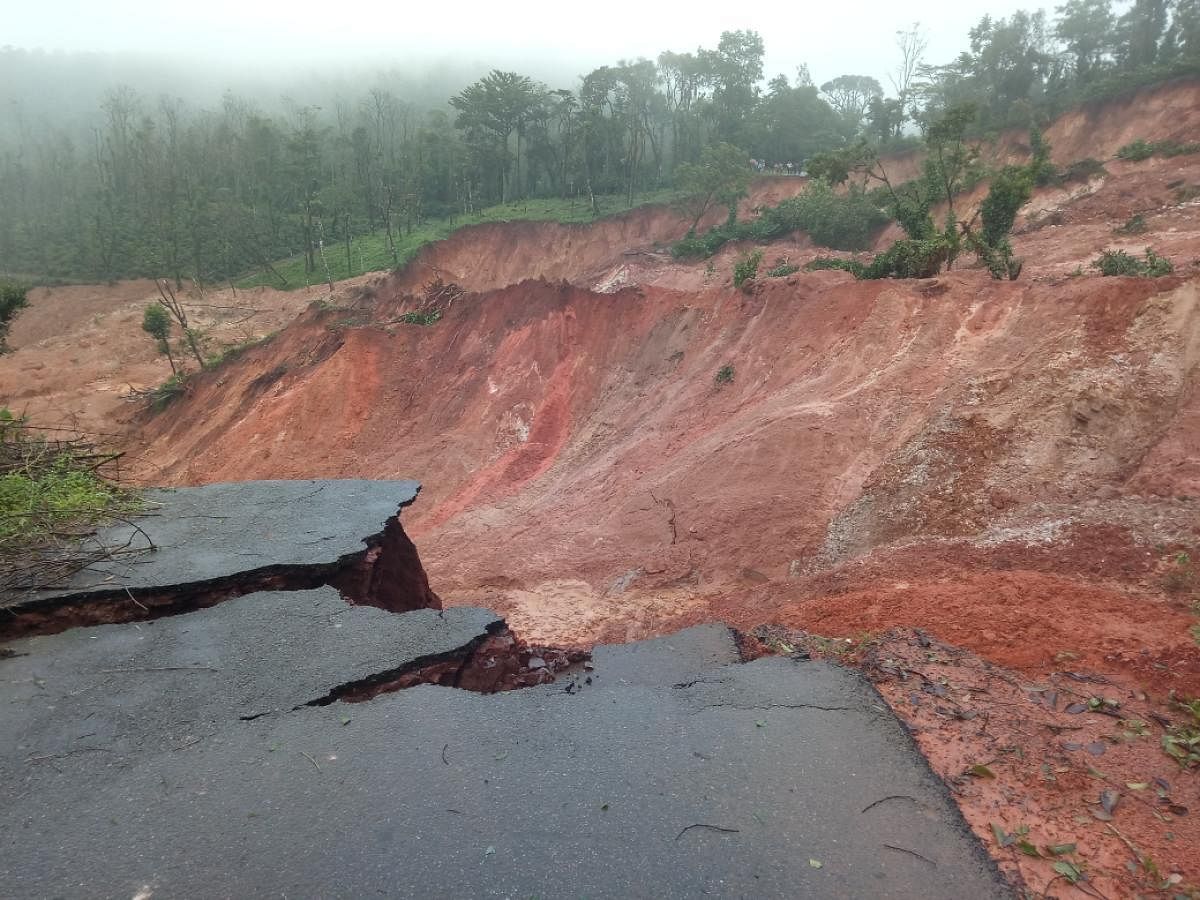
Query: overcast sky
{"x": 535, "y": 36}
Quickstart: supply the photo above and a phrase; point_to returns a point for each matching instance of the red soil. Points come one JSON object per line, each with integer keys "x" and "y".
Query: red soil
{"x": 1012, "y": 467}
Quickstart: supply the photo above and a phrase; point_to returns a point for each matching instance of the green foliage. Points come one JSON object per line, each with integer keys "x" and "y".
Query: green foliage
{"x": 422, "y": 317}
{"x": 156, "y": 322}
{"x": 721, "y": 177}
{"x": 782, "y": 269}
{"x": 1141, "y": 149}
{"x": 167, "y": 392}
{"x": 1182, "y": 742}
{"x": 1118, "y": 262}
{"x": 910, "y": 259}
{"x": 1010, "y": 190}
{"x": 906, "y": 258}
{"x": 853, "y": 266}
{"x": 370, "y": 252}
{"x": 12, "y": 301}
{"x": 725, "y": 375}
{"x": 47, "y": 487}
{"x": 833, "y": 167}
{"x": 840, "y": 221}
{"x": 746, "y": 267}
{"x": 1042, "y": 170}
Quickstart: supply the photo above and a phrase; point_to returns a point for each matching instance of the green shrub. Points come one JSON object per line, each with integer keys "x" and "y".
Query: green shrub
{"x": 910, "y": 259}
{"x": 846, "y": 221}
{"x": 746, "y": 268}
{"x": 1009, "y": 191}
{"x": 1135, "y": 152}
{"x": 782, "y": 269}
{"x": 1141, "y": 149}
{"x": 853, "y": 266}
{"x": 50, "y": 491}
{"x": 428, "y": 317}
{"x": 1118, "y": 262}
{"x": 12, "y": 301}
{"x": 725, "y": 375}
{"x": 166, "y": 393}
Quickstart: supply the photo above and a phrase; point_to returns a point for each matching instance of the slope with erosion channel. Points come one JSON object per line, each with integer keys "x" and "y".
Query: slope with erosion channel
{"x": 590, "y": 477}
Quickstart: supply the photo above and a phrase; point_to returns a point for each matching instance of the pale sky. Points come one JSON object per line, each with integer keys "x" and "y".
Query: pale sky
{"x": 535, "y": 36}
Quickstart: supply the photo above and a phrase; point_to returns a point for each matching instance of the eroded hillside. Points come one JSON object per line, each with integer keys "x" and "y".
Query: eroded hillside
{"x": 615, "y": 444}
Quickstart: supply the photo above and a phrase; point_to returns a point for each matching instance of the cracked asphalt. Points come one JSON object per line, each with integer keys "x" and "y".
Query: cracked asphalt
{"x": 218, "y": 531}
{"x": 178, "y": 757}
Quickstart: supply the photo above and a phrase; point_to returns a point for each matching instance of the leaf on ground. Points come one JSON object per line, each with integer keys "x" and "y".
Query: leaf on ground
{"x": 1076, "y": 708}
{"x": 1060, "y": 849}
{"x": 1027, "y": 848}
{"x": 1096, "y": 748}
{"x": 980, "y": 771}
{"x": 1068, "y": 871}
{"x": 1003, "y": 839}
{"x": 490, "y": 851}
{"x": 815, "y": 863}
{"x": 760, "y": 724}
{"x": 1137, "y": 785}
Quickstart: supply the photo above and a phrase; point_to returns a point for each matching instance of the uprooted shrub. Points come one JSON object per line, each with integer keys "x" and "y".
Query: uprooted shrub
{"x": 1118, "y": 262}
{"x": 51, "y": 496}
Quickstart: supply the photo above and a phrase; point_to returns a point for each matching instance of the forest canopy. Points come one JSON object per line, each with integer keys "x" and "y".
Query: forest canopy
{"x": 148, "y": 184}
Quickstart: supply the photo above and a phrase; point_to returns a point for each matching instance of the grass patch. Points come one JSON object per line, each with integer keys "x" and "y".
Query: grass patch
{"x": 52, "y": 496}
{"x": 370, "y": 252}
{"x": 724, "y": 375}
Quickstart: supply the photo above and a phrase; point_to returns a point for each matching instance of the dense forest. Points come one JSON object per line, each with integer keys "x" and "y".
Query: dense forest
{"x": 156, "y": 185}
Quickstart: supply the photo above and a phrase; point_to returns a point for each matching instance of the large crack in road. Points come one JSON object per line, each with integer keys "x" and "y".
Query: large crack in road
{"x": 206, "y": 753}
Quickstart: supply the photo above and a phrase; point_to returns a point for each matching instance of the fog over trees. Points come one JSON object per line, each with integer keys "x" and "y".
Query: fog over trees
{"x": 119, "y": 166}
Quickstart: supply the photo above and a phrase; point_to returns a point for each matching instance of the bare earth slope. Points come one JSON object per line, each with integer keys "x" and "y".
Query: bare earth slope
{"x": 1012, "y": 468}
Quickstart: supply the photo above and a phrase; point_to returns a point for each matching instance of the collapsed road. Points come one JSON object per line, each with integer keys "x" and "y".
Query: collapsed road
{"x": 213, "y": 751}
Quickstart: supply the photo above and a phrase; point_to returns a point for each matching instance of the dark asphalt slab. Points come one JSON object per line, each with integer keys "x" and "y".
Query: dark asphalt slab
{"x": 127, "y": 769}
{"x": 205, "y": 534}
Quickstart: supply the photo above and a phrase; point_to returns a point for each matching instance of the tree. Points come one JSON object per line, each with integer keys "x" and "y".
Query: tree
{"x": 1140, "y": 33}
{"x": 490, "y": 111}
{"x": 169, "y": 303}
{"x": 156, "y": 322}
{"x": 1086, "y": 27}
{"x": 912, "y": 45}
{"x": 722, "y": 176}
{"x": 12, "y": 301}
{"x": 851, "y": 96}
{"x": 733, "y": 69}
